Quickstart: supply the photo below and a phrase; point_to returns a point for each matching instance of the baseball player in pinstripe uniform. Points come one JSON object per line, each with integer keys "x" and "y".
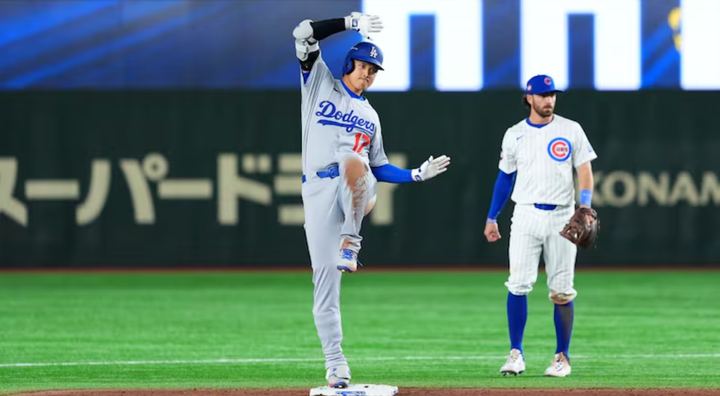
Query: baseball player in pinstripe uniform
{"x": 538, "y": 156}
{"x": 343, "y": 158}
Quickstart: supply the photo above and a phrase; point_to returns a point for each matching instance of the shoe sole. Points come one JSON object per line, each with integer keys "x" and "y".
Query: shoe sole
{"x": 514, "y": 373}
{"x": 556, "y": 376}
{"x": 345, "y": 269}
{"x": 339, "y": 385}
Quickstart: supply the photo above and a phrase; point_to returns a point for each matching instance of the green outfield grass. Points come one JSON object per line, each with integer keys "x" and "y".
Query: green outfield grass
{"x": 415, "y": 329}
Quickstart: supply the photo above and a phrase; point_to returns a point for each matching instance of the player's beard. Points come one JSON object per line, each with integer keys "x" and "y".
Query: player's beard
{"x": 543, "y": 111}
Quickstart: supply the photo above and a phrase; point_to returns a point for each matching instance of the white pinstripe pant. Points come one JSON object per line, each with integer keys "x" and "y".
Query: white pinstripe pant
{"x": 533, "y": 231}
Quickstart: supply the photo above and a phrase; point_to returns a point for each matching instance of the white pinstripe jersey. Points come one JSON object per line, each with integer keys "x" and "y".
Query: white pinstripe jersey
{"x": 544, "y": 158}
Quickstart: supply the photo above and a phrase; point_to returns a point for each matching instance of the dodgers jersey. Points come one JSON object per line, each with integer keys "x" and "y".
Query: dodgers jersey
{"x": 544, "y": 159}
{"x": 334, "y": 123}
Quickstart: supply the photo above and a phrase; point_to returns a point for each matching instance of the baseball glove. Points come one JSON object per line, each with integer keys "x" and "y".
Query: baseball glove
{"x": 580, "y": 230}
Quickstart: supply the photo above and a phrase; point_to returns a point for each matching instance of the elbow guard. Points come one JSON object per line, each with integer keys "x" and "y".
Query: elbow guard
{"x": 304, "y": 41}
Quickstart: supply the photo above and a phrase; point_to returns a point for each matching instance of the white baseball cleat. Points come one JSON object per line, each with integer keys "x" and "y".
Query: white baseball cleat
{"x": 515, "y": 363}
{"x": 338, "y": 376}
{"x": 559, "y": 367}
{"x": 348, "y": 261}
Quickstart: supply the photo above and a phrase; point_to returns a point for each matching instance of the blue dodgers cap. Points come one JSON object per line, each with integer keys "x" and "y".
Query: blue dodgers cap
{"x": 540, "y": 84}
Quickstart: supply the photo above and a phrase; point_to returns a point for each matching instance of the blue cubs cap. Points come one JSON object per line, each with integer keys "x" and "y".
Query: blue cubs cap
{"x": 540, "y": 84}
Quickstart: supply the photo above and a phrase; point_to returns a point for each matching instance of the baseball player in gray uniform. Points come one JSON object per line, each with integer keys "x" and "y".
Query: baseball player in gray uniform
{"x": 342, "y": 160}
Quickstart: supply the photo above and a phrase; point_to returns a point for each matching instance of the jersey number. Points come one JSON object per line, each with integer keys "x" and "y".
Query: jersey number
{"x": 358, "y": 145}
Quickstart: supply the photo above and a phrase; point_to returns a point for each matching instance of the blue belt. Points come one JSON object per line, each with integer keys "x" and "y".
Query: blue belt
{"x": 331, "y": 171}
{"x": 545, "y": 206}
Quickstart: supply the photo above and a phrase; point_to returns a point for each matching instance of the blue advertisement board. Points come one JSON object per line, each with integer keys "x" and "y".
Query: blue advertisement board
{"x": 443, "y": 45}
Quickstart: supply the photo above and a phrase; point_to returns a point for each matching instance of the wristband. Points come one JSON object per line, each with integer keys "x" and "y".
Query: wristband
{"x": 586, "y": 197}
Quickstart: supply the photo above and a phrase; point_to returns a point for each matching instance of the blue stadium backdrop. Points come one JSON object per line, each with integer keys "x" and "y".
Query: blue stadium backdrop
{"x": 449, "y": 45}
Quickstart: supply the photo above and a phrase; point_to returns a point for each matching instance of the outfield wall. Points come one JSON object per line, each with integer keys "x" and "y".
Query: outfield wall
{"x": 212, "y": 178}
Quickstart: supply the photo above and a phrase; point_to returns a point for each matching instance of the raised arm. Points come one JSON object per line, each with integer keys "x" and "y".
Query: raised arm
{"x": 308, "y": 33}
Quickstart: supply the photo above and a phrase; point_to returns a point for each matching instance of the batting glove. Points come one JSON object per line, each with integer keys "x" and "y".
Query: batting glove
{"x": 431, "y": 168}
{"x": 363, "y": 24}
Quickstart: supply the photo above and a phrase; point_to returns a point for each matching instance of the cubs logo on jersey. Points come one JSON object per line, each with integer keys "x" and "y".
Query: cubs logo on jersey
{"x": 559, "y": 149}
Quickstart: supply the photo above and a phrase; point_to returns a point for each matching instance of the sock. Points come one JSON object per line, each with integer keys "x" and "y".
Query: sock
{"x": 564, "y": 316}
{"x": 517, "y": 310}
